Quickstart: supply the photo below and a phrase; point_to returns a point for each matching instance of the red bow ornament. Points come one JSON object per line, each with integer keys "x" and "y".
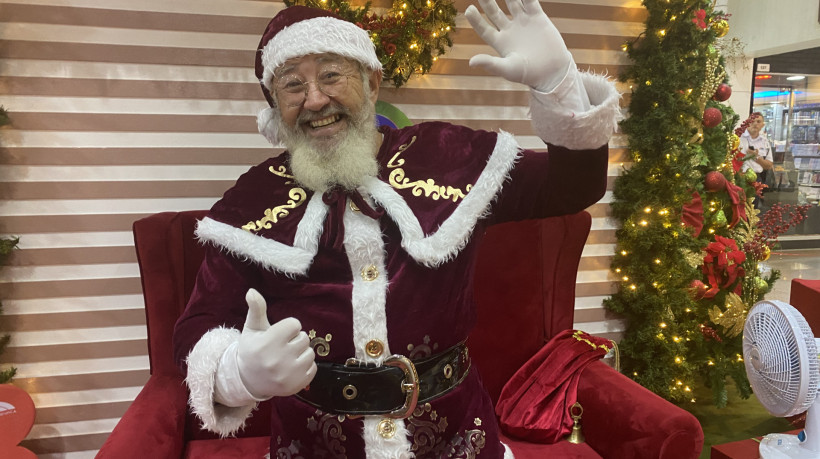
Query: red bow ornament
{"x": 722, "y": 266}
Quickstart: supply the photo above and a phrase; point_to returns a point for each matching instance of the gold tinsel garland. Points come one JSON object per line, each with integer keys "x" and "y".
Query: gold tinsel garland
{"x": 408, "y": 38}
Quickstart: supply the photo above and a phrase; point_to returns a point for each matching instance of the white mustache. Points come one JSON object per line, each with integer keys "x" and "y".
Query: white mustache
{"x": 330, "y": 110}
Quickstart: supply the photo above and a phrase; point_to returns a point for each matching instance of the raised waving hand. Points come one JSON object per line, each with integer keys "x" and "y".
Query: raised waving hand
{"x": 531, "y": 49}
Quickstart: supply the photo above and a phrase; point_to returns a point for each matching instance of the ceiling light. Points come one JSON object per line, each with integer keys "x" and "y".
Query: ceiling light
{"x": 796, "y": 77}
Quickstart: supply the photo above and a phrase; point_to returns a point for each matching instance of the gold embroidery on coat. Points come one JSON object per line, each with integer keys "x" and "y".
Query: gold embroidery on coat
{"x": 287, "y": 452}
{"x": 427, "y": 428}
{"x": 422, "y": 350}
{"x": 329, "y": 427}
{"x": 395, "y": 161}
{"x": 428, "y": 187}
{"x": 297, "y": 196}
{"x": 281, "y": 171}
{"x": 319, "y": 344}
{"x": 466, "y": 447}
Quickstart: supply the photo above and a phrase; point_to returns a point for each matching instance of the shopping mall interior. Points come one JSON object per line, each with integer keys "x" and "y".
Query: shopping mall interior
{"x": 787, "y": 93}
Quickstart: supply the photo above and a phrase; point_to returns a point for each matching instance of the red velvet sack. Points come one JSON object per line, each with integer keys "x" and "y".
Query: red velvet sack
{"x": 534, "y": 404}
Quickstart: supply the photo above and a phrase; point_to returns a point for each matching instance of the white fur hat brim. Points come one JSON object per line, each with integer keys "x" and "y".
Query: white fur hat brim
{"x": 315, "y": 36}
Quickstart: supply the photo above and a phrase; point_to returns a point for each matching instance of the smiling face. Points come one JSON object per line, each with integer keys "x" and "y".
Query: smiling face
{"x": 321, "y": 95}
{"x": 327, "y": 120}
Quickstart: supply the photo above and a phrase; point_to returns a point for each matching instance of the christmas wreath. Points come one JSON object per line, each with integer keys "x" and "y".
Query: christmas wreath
{"x": 408, "y": 38}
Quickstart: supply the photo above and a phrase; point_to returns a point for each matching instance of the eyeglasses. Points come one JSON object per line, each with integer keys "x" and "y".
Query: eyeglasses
{"x": 292, "y": 90}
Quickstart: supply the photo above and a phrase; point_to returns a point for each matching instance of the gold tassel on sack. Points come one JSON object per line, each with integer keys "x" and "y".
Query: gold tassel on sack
{"x": 576, "y": 436}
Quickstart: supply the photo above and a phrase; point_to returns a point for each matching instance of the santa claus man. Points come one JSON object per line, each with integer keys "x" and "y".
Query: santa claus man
{"x": 337, "y": 279}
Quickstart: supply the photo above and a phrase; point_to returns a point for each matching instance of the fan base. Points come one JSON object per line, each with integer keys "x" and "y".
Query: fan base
{"x": 782, "y": 446}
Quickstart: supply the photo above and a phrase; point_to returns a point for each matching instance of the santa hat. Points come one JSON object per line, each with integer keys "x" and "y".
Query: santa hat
{"x": 298, "y": 31}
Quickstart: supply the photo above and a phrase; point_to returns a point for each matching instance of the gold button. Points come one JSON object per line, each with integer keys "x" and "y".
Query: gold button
{"x": 354, "y": 207}
{"x": 370, "y": 273}
{"x": 386, "y": 428}
{"x": 374, "y": 348}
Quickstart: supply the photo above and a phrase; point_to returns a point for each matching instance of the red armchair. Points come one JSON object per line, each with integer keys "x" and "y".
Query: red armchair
{"x": 525, "y": 286}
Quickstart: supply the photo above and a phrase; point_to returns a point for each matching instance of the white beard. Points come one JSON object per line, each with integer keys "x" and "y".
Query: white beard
{"x": 345, "y": 160}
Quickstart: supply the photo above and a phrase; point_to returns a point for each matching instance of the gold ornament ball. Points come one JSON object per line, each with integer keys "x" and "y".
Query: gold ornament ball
{"x": 735, "y": 141}
{"x": 721, "y": 28}
{"x": 750, "y": 175}
{"x": 761, "y": 284}
{"x": 767, "y": 252}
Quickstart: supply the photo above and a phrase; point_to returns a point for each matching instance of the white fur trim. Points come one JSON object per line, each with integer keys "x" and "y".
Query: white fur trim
{"x": 508, "y": 454}
{"x": 378, "y": 447}
{"x": 364, "y": 247}
{"x": 265, "y": 123}
{"x": 578, "y": 131}
{"x": 203, "y": 362}
{"x": 315, "y": 36}
{"x": 454, "y": 233}
{"x": 272, "y": 255}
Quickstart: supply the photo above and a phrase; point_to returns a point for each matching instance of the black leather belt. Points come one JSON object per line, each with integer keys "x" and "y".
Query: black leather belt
{"x": 391, "y": 390}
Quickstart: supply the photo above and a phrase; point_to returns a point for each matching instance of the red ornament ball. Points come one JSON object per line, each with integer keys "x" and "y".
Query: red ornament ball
{"x": 723, "y": 92}
{"x": 715, "y": 181}
{"x": 712, "y": 117}
{"x": 697, "y": 289}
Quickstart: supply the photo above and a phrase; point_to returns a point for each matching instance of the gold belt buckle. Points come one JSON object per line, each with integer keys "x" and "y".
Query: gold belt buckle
{"x": 410, "y": 386}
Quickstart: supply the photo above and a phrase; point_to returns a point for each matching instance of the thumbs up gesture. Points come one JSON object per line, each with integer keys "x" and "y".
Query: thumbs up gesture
{"x": 273, "y": 360}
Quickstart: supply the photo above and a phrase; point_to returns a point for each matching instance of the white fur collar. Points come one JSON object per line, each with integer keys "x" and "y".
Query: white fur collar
{"x": 432, "y": 250}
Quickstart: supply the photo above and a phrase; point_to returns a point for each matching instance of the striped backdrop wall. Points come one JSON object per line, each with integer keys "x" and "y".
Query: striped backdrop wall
{"x": 123, "y": 108}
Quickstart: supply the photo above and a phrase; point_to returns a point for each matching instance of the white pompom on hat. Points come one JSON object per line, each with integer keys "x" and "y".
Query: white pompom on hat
{"x": 298, "y": 31}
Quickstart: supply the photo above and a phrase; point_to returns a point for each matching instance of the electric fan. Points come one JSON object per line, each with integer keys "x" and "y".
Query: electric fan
{"x": 780, "y": 354}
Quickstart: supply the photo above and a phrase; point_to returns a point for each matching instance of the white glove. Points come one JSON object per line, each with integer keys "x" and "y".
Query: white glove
{"x": 273, "y": 360}
{"x": 531, "y": 48}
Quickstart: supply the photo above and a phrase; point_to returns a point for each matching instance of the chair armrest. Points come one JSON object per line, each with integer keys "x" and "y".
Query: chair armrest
{"x": 623, "y": 419}
{"x": 154, "y": 425}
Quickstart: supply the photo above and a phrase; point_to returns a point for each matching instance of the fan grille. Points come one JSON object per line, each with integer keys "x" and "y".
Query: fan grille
{"x": 780, "y": 355}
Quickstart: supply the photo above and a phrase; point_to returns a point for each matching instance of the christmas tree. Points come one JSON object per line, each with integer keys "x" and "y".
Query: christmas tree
{"x": 6, "y": 246}
{"x": 689, "y": 241}
{"x": 408, "y": 38}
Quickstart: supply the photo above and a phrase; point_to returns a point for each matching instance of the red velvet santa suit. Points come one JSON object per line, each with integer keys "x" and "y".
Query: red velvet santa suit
{"x": 399, "y": 271}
